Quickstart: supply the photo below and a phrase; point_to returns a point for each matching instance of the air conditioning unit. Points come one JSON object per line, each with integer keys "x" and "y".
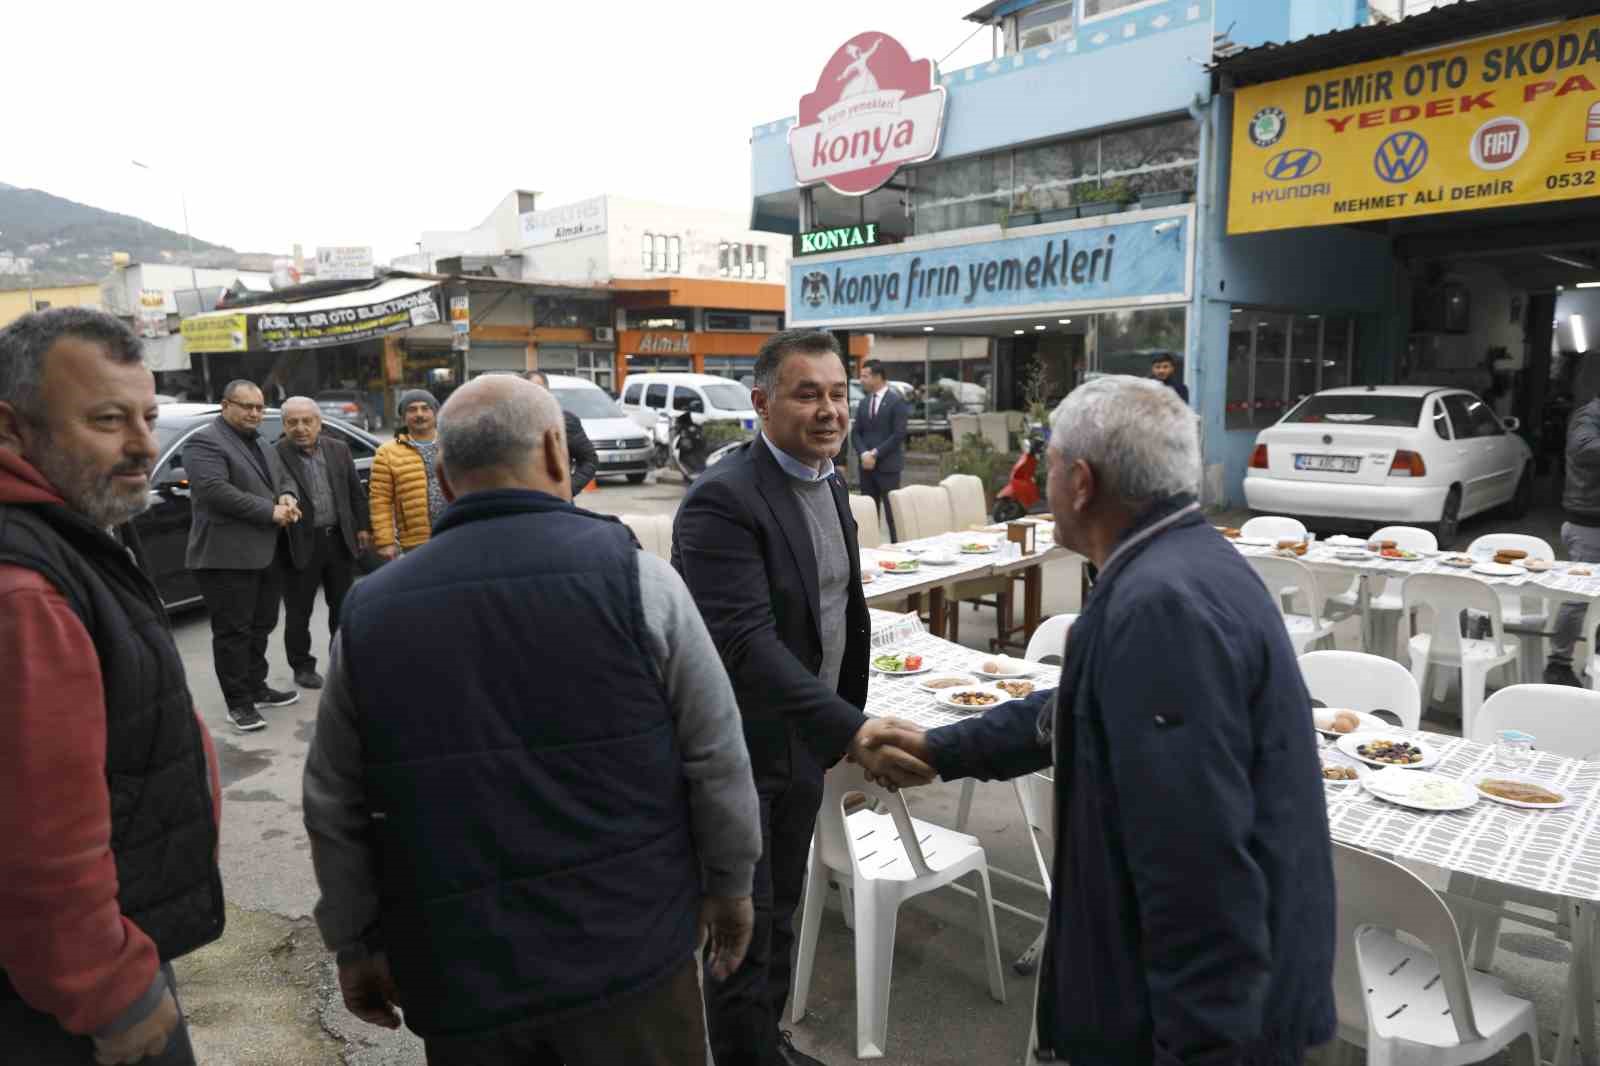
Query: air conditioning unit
{"x": 605, "y": 333}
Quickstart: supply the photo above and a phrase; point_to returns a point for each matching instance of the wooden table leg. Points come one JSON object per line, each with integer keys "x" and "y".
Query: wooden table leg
{"x": 936, "y": 611}
{"x": 1032, "y": 600}
{"x": 914, "y": 603}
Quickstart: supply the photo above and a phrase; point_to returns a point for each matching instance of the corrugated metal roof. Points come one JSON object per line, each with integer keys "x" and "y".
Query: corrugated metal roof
{"x": 388, "y": 289}
{"x": 1362, "y": 44}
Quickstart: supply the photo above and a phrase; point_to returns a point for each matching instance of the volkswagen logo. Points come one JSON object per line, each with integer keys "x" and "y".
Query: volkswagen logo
{"x": 814, "y": 288}
{"x": 1400, "y": 157}
{"x": 1327, "y": 438}
{"x": 1293, "y": 164}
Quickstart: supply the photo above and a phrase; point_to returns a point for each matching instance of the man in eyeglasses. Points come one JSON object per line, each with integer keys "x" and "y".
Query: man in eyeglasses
{"x": 242, "y": 496}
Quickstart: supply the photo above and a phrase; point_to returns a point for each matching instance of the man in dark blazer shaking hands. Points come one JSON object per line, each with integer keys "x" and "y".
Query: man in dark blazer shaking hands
{"x": 769, "y": 551}
{"x": 879, "y": 437}
{"x": 333, "y": 530}
{"x": 241, "y": 497}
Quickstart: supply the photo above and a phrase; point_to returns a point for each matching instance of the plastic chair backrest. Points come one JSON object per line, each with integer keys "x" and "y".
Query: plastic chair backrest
{"x": 864, "y": 509}
{"x": 1449, "y": 595}
{"x": 1273, "y": 527}
{"x": 921, "y": 511}
{"x": 965, "y": 492}
{"x": 1490, "y": 543}
{"x": 1353, "y": 680}
{"x": 835, "y": 845}
{"x": 961, "y": 425}
{"x": 1564, "y": 720}
{"x": 1284, "y": 575}
{"x": 1050, "y": 639}
{"x": 1375, "y": 893}
{"x": 1408, "y": 537}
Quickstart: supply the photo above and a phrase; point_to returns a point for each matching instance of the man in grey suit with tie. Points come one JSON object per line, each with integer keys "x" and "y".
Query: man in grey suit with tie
{"x": 242, "y": 496}
{"x": 879, "y": 436}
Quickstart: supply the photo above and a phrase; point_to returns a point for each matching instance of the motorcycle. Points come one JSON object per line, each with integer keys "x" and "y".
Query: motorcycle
{"x": 681, "y": 444}
{"x": 1024, "y": 493}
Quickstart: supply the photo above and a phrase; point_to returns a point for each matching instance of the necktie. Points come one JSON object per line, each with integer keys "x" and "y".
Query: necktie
{"x": 875, "y": 400}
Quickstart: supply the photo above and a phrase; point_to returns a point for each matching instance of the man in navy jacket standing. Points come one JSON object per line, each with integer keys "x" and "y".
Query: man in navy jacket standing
{"x": 879, "y": 436}
{"x": 1193, "y": 915}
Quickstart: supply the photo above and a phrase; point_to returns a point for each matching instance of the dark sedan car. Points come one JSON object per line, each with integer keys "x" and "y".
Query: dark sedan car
{"x": 164, "y": 528}
{"x": 348, "y": 405}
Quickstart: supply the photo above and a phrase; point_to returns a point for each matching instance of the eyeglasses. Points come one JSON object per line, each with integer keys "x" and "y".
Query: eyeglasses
{"x": 256, "y": 407}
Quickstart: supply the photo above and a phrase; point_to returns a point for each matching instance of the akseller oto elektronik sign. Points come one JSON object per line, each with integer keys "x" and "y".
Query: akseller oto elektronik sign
{"x": 874, "y": 110}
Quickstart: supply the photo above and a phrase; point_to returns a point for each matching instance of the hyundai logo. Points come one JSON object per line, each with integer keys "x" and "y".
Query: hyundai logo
{"x": 1400, "y": 157}
{"x": 1293, "y": 164}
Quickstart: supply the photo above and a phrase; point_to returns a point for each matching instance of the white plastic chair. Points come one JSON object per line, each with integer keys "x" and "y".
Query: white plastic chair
{"x": 1525, "y": 617}
{"x": 1290, "y": 581}
{"x": 965, "y": 500}
{"x": 1413, "y": 1004}
{"x": 1353, "y": 681}
{"x": 887, "y": 858}
{"x": 920, "y": 511}
{"x": 1448, "y": 595}
{"x": 1591, "y": 619}
{"x": 1273, "y": 528}
{"x": 1049, "y": 639}
{"x": 1385, "y": 603}
{"x": 864, "y": 509}
{"x": 1036, "y": 795}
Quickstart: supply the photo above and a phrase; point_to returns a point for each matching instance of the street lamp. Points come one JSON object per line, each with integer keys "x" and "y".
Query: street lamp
{"x": 194, "y": 277}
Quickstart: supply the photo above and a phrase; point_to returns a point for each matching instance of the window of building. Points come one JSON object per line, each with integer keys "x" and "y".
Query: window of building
{"x": 570, "y": 311}
{"x": 595, "y": 364}
{"x": 1277, "y": 358}
{"x": 749, "y": 260}
{"x": 735, "y": 260}
{"x": 761, "y": 262}
{"x": 1094, "y": 9}
{"x": 647, "y": 247}
{"x": 677, "y": 319}
{"x": 724, "y": 258}
{"x": 662, "y": 363}
{"x": 734, "y": 367}
{"x": 674, "y": 255}
{"x": 1045, "y": 24}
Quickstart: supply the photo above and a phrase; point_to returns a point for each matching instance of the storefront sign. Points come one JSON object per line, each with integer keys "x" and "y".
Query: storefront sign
{"x": 585, "y": 218}
{"x": 152, "y": 313}
{"x": 863, "y": 235}
{"x": 663, "y": 344}
{"x": 345, "y": 263}
{"x": 460, "y": 323}
{"x": 344, "y": 325}
{"x": 874, "y": 110}
{"x": 1065, "y": 266}
{"x": 1508, "y": 120}
{"x": 216, "y": 333}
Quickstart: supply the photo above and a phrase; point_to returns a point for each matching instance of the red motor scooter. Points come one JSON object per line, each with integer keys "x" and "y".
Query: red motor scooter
{"x": 1024, "y": 493}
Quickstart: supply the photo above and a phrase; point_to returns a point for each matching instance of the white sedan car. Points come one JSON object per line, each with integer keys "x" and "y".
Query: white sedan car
{"x": 1385, "y": 455}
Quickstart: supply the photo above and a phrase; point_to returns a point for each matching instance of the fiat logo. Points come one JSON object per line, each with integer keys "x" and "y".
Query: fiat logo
{"x": 1499, "y": 143}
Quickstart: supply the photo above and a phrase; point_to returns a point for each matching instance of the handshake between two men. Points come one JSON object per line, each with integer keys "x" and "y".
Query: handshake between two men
{"x": 286, "y": 512}
{"x": 893, "y": 753}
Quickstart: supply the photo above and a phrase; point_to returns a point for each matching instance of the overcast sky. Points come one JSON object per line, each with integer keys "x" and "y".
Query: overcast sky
{"x": 364, "y": 123}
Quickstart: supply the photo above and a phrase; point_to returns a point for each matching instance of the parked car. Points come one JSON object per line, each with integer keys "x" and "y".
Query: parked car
{"x": 1384, "y": 455}
{"x": 348, "y": 405}
{"x": 621, "y": 447}
{"x": 708, "y": 398}
{"x": 164, "y": 527}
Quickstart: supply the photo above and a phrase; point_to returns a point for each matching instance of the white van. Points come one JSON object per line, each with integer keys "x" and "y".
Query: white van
{"x": 709, "y": 398}
{"x": 620, "y": 446}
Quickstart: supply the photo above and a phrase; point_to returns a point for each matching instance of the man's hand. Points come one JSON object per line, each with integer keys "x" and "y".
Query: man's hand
{"x": 725, "y": 926}
{"x": 869, "y": 460}
{"x": 145, "y": 1040}
{"x": 285, "y": 514}
{"x": 363, "y": 540}
{"x": 389, "y": 551}
{"x": 893, "y": 753}
{"x": 369, "y": 991}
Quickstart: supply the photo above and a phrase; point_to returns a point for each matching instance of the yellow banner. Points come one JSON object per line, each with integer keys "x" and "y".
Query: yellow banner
{"x": 1510, "y": 120}
{"x": 216, "y": 333}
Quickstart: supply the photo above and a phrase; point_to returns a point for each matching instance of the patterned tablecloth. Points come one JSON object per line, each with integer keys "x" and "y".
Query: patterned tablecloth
{"x": 888, "y": 585}
{"x": 1557, "y": 580}
{"x": 899, "y": 697}
{"x": 1554, "y": 851}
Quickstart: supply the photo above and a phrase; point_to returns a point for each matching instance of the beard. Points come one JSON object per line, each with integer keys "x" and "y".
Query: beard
{"x": 87, "y": 490}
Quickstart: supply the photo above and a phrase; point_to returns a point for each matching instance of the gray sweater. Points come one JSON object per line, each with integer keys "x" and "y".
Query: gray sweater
{"x": 723, "y": 811}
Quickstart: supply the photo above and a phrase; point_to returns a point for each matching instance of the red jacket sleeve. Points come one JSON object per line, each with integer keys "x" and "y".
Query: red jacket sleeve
{"x": 64, "y": 943}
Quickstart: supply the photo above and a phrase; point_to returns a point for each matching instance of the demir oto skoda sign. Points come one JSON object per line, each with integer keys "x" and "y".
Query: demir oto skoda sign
{"x": 1064, "y": 267}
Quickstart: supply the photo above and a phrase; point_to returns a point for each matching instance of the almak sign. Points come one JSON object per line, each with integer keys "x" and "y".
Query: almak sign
{"x": 874, "y": 110}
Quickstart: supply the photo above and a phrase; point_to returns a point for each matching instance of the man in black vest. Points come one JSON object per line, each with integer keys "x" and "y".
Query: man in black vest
{"x": 242, "y": 497}
{"x": 560, "y": 803}
{"x": 108, "y": 800}
{"x": 879, "y": 436}
{"x": 767, "y": 545}
{"x": 585, "y": 460}
{"x": 333, "y": 529}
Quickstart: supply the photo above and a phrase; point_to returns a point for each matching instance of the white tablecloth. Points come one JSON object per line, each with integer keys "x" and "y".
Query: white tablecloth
{"x": 899, "y": 697}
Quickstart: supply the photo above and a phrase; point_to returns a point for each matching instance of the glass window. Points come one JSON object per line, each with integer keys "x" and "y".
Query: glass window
{"x": 724, "y": 258}
{"x": 631, "y": 395}
{"x": 660, "y": 363}
{"x": 1360, "y": 409}
{"x": 659, "y": 258}
{"x": 961, "y": 193}
{"x": 1049, "y": 177}
{"x": 761, "y": 262}
{"x": 1149, "y": 160}
{"x": 1127, "y": 341}
{"x": 1093, "y": 9}
{"x": 1270, "y": 381}
{"x": 735, "y": 260}
{"x": 686, "y": 399}
{"x": 1460, "y": 420}
{"x": 648, "y": 245}
{"x": 1044, "y": 25}
{"x": 1241, "y": 348}
{"x": 1338, "y": 348}
{"x": 749, "y": 260}
{"x": 735, "y": 367}
{"x": 1483, "y": 421}
{"x": 1305, "y": 337}
{"x": 675, "y": 255}
{"x": 1441, "y": 422}
{"x": 359, "y": 448}
{"x": 655, "y": 396}
{"x": 730, "y": 397}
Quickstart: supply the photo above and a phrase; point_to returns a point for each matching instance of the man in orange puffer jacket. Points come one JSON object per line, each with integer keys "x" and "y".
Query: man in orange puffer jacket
{"x": 404, "y": 491}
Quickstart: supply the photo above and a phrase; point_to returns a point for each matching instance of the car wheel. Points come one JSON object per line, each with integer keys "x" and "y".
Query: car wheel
{"x": 1522, "y": 502}
{"x": 1449, "y": 523}
{"x": 636, "y": 479}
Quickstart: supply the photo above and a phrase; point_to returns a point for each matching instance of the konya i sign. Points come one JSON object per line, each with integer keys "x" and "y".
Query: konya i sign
{"x": 837, "y": 239}
{"x": 874, "y": 110}
{"x": 1513, "y": 119}
{"x": 1064, "y": 267}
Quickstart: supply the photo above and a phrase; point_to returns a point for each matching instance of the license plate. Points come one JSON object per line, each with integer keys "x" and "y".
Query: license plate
{"x": 1332, "y": 464}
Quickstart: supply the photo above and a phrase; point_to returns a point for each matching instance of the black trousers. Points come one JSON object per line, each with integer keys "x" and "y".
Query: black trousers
{"x": 878, "y": 485}
{"x": 664, "y": 1025}
{"x": 244, "y": 611}
{"x": 333, "y": 570}
{"x": 745, "y": 1011}
{"x": 29, "y": 1036}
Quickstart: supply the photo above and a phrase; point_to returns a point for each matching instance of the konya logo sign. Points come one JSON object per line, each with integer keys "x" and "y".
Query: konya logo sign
{"x": 874, "y": 110}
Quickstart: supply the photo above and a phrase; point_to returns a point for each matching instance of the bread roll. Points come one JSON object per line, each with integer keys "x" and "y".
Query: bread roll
{"x": 1511, "y": 553}
{"x": 1345, "y": 722}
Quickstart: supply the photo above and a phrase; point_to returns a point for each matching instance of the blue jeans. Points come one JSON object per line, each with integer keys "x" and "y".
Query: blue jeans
{"x": 30, "y": 1036}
